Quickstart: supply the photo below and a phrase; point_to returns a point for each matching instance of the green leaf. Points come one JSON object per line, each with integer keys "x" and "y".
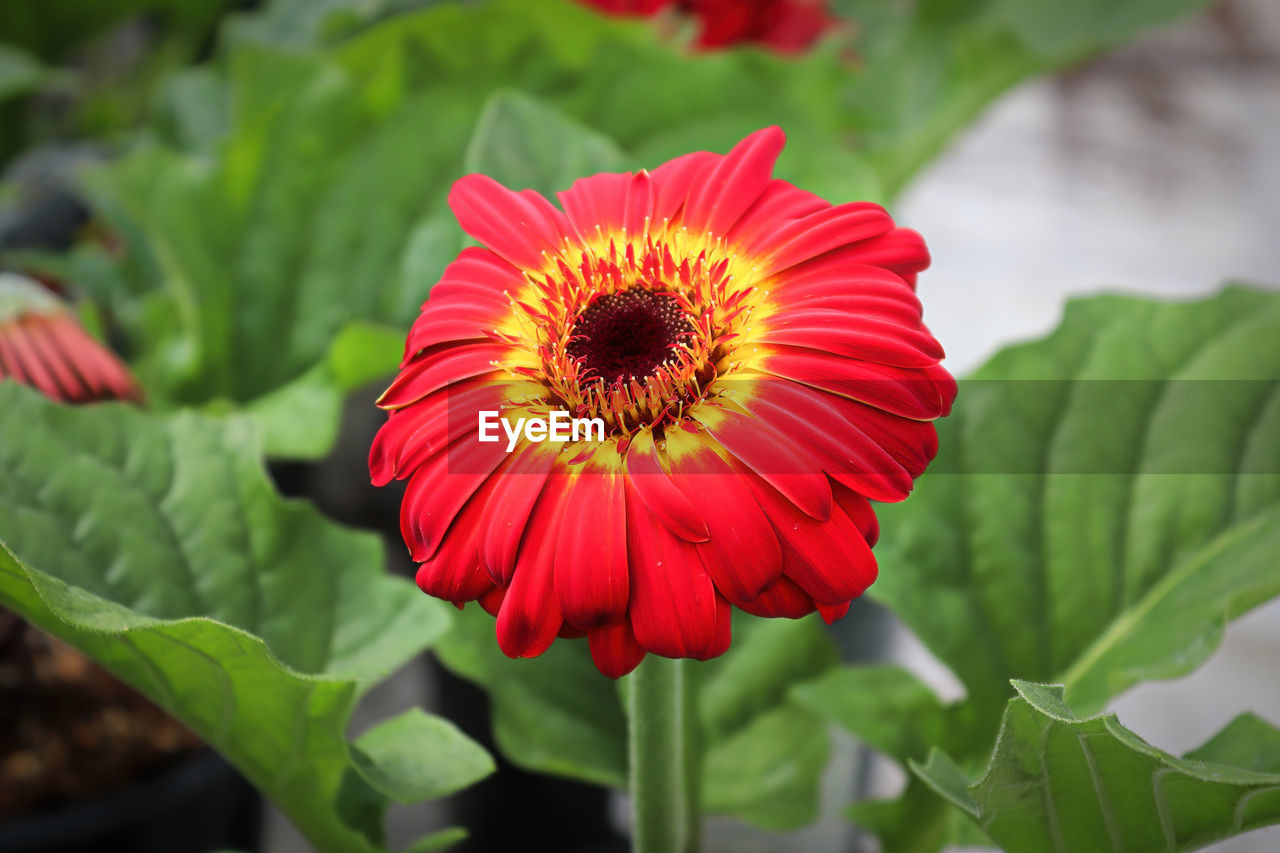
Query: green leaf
{"x": 889, "y": 709}
{"x": 1099, "y": 550}
{"x": 1104, "y": 501}
{"x": 1248, "y": 742}
{"x": 158, "y": 546}
{"x": 552, "y": 714}
{"x": 763, "y": 755}
{"x": 768, "y": 773}
{"x": 300, "y": 420}
{"x": 524, "y": 144}
{"x": 20, "y": 72}
{"x": 302, "y": 23}
{"x": 317, "y": 212}
{"x": 363, "y": 353}
{"x": 1060, "y": 782}
{"x": 410, "y": 775}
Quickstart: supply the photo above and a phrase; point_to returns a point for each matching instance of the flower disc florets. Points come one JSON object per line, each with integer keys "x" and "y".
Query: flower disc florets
{"x": 633, "y": 332}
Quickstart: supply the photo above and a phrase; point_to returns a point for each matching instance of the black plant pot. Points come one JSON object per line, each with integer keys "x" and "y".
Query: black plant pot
{"x": 200, "y": 805}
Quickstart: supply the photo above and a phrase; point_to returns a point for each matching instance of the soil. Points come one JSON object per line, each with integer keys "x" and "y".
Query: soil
{"x": 68, "y": 728}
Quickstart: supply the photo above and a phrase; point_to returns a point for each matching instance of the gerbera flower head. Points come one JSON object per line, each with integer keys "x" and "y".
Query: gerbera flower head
{"x": 785, "y": 26}
{"x": 43, "y": 346}
{"x": 754, "y": 358}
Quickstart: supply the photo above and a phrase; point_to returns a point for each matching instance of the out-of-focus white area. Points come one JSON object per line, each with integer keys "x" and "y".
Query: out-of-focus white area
{"x": 1153, "y": 171}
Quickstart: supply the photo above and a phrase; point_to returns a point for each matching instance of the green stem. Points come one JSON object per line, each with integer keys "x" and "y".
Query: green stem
{"x": 663, "y": 758}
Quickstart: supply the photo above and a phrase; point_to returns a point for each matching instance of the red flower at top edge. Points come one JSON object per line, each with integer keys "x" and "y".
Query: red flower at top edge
{"x": 786, "y": 26}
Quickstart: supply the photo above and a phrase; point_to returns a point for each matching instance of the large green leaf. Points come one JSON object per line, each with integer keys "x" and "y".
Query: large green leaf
{"x": 321, "y": 208}
{"x": 158, "y": 546}
{"x": 762, "y": 754}
{"x": 1059, "y": 782}
{"x": 1104, "y": 501}
{"x": 521, "y": 142}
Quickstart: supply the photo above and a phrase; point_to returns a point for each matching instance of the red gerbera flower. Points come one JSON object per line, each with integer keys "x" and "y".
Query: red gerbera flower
{"x": 787, "y": 26}
{"x": 43, "y": 346}
{"x": 758, "y": 363}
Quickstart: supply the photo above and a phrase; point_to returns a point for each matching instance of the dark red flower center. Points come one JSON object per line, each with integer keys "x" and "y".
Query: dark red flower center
{"x": 630, "y": 334}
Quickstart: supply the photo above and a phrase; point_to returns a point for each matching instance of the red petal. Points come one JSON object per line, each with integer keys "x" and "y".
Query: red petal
{"x": 901, "y": 251}
{"x": 462, "y": 323}
{"x": 717, "y": 203}
{"x": 860, "y": 512}
{"x": 477, "y": 273}
{"x": 21, "y": 353}
{"x": 831, "y": 427}
{"x": 674, "y": 180}
{"x": 491, "y": 601}
{"x": 821, "y": 232}
{"x": 673, "y": 599}
{"x": 606, "y": 204}
{"x": 521, "y": 483}
{"x": 742, "y": 555}
{"x": 779, "y": 203}
{"x": 918, "y": 393}
{"x": 659, "y": 494}
{"x": 913, "y": 444}
{"x": 470, "y": 300}
{"x": 44, "y": 342}
{"x": 530, "y": 616}
{"x": 439, "y": 489}
{"x": 591, "y": 558}
{"x": 413, "y": 435}
{"x": 430, "y": 373}
{"x": 454, "y": 572}
{"x": 774, "y": 456}
{"x": 519, "y": 226}
{"x": 724, "y": 629}
{"x": 782, "y": 599}
{"x": 832, "y": 612}
{"x": 853, "y": 336}
{"x": 895, "y": 313}
{"x": 97, "y": 366}
{"x": 830, "y": 561}
{"x": 866, "y": 290}
{"x": 614, "y": 648}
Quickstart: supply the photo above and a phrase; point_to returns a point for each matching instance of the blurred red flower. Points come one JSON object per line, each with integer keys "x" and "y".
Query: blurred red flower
{"x": 786, "y": 26}
{"x": 757, "y": 359}
{"x": 42, "y": 345}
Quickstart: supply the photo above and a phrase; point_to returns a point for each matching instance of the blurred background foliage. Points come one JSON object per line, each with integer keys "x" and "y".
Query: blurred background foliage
{"x": 294, "y": 183}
